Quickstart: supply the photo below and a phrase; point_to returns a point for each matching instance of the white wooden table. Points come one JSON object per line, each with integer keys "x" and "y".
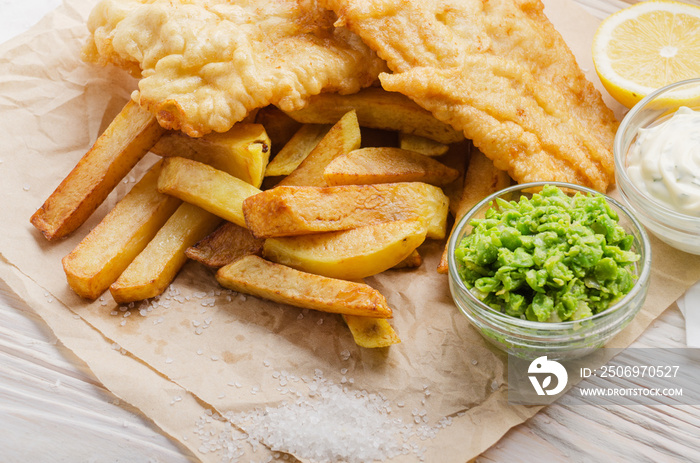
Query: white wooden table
{"x": 52, "y": 409}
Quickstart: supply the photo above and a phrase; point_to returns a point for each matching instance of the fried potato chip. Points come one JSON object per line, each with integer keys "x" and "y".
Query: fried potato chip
{"x": 342, "y": 138}
{"x": 379, "y": 109}
{"x": 157, "y": 265}
{"x": 243, "y": 151}
{"x": 127, "y": 139}
{"x": 482, "y": 179}
{"x": 387, "y": 165}
{"x": 289, "y": 210}
{"x": 296, "y": 149}
{"x": 371, "y": 333}
{"x": 285, "y": 285}
{"x": 349, "y": 254}
{"x": 211, "y": 189}
{"x": 227, "y": 243}
{"x": 98, "y": 260}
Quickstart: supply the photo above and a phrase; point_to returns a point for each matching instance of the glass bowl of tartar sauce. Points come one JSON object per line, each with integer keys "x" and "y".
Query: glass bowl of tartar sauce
{"x": 657, "y": 163}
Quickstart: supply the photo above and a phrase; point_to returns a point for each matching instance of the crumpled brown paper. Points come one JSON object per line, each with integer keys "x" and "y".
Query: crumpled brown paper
{"x": 199, "y": 347}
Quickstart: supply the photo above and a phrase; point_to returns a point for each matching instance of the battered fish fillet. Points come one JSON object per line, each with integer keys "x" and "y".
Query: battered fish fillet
{"x": 499, "y": 71}
{"x": 206, "y": 63}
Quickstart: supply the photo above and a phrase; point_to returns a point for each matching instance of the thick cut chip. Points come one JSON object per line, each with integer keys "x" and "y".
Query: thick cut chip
{"x": 279, "y": 127}
{"x": 413, "y": 260}
{"x": 242, "y": 152}
{"x": 288, "y": 210}
{"x": 268, "y": 280}
{"x": 211, "y": 189}
{"x": 124, "y": 232}
{"x": 349, "y": 254}
{"x": 378, "y": 109}
{"x": 342, "y": 138}
{"x": 371, "y": 332}
{"x": 481, "y": 179}
{"x": 157, "y": 265}
{"x": 127, "y": 139}
{"x": 387, "y": 165}
{"x": 422, "y": 145}
{"x": 227, "y": 243}
{"x": 296, "y": 150}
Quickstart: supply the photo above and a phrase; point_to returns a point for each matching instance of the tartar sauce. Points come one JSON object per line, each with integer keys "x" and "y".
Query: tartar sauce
{"x": 664, "y": 162}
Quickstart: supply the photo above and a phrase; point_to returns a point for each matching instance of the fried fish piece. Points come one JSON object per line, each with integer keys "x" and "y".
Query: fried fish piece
{"x": 205, "y": 64}
{"x": 498, "y": 71}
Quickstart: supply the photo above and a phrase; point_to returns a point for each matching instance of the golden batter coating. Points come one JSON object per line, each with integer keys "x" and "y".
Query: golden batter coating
{"x": 205, "y": 64}
{"x": 500, "y": 72}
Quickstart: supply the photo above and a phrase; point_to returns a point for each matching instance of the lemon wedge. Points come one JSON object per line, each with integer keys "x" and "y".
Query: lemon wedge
{"x": 647, "y": 46}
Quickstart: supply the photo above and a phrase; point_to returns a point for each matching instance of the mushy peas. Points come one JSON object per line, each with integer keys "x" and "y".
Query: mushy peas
{"x": 548, "y": 258}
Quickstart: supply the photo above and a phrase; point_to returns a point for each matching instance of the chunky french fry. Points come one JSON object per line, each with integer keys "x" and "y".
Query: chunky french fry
{"x": 227, "y": 243}
{"x": 342, "y": 138}
{"x": 296, "y": 150}
{"x": 387, "y": 165}
{"x": 211, "y": 189}
{"x": 242, "y": 152}
{"x": 422, "y": 145}
{"x": 124, "y": 232}
{"x": 371, "y": 332}
{"x": 413, "y": 260}
{"x": 268, "y": 280}
{"x": 278, "y": 126}
{"x": 127, "y": 139}
{"x": 456, "y": 157}
{"x": 481, "y": 179}
{"x": 378, "y": 109}
{"x": 349, "y": 254}
{"x": 288, "y": 210}
{"x": 157, "y": 265}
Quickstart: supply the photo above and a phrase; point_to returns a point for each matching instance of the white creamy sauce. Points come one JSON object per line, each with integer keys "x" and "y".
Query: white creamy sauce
{"x": 664, "y": 162}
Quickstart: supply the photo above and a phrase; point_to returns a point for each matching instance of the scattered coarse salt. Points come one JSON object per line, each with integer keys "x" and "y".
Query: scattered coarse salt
{"x": 329, "y": 423}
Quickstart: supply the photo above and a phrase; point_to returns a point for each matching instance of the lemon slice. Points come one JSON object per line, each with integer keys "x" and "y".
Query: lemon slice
{"x": 647, "y": 46}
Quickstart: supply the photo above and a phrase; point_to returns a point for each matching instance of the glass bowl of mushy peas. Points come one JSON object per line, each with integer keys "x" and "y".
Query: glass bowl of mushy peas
{"x": 657, "y": 163}
{"x": 549, "y": 268}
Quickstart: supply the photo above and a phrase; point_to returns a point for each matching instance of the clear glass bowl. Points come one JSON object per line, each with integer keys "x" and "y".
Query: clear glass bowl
{"x": 678, "y": 230}
{"x": 564, "y": 340}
